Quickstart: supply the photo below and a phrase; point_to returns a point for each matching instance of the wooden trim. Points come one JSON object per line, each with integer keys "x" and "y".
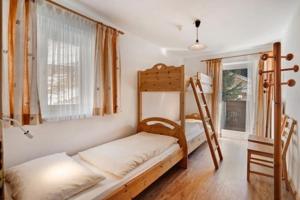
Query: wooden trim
{"x": 135, "y": 186}
{"x": 81, "y": 15}
{"x": 195, "y": 116}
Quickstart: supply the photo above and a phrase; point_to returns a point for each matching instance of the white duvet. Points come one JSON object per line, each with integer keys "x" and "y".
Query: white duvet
{"x": 121, "y": 156}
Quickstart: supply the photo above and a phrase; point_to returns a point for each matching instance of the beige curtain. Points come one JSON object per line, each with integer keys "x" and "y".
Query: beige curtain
{"x": 107, "y": 87}
{"x": 263, "y": 125}
{"x": 213, "y": 68}
{"x": 22, "y": 69}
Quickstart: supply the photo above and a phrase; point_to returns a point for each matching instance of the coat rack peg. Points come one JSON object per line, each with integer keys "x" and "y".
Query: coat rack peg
{"x": 295, "y": 68}
{"x": 266, "y": 84}
{"x": 288, "y": 57}
{"x": 263, "y": 72}
{"x": 264, "y": 56}
{"x": 290, "y": 83}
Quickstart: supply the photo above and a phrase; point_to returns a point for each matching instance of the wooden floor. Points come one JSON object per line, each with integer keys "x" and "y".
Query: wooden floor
{"x": 200, "y": 181}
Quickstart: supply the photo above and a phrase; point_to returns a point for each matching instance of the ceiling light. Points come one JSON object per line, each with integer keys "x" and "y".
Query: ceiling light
{"x": 197, "y": 46}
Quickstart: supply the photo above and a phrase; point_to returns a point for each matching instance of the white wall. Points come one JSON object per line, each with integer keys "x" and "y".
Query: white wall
{"x": 192, "y": 66}
{"x": 291, "y": 44}
{"x": 75, "y": 135}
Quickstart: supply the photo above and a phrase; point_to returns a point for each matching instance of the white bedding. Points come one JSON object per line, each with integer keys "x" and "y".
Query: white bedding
{"x": 194, "y": 132}
{"x": 193, "y": 128}
{"x": 110, "y": 183}
{"x": 121, "y": 156}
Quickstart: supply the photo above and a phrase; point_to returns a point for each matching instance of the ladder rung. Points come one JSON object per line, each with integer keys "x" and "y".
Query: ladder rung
{"x": 206, "y": 119}
{"x": 215, "y": 147}
{"x": 203, "y": 105}
{"x": 211, "y": 134}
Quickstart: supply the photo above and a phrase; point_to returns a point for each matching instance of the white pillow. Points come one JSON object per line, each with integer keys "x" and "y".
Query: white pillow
{"x": 55, "y": 176}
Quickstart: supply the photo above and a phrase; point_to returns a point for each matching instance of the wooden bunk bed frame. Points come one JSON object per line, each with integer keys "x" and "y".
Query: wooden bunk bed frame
{"x": 163, "y": 78}
{"x": 160, "y": 78}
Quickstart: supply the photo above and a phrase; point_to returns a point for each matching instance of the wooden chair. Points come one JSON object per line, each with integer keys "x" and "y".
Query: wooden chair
{"x": 265, "y": 140}
{"x": 262, "y": 154}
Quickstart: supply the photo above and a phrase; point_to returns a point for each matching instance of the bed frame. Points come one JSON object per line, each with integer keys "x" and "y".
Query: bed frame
{"x": 160, "y": 78}
{"x": 135, "y": 186}
{"x": 163, "y": 78}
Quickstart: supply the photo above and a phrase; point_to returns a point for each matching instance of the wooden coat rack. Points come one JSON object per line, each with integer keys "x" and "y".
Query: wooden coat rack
{"x": 278, "y": 108}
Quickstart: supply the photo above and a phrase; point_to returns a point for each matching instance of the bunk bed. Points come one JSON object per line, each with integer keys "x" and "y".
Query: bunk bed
{"x": 163, "y": 78}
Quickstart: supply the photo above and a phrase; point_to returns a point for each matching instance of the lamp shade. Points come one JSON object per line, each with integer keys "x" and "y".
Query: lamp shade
{"x": 197, "y": 46}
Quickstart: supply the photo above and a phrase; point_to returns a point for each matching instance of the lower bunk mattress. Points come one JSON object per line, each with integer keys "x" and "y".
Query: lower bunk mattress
{"x": 195, "y": 134}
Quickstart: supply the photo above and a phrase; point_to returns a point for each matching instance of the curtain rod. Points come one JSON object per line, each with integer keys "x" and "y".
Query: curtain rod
{"x": 81, "y": 15}
{"x": 249, "y": 54}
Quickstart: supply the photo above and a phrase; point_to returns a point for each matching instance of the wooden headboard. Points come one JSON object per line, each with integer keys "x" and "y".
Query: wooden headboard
{"x": 161, "y": 78}
{"x": 162, "y": 126}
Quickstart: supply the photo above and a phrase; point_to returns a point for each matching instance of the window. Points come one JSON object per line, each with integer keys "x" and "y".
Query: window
{"x": 66, "y": 46}
{"x": 63, "y": 84}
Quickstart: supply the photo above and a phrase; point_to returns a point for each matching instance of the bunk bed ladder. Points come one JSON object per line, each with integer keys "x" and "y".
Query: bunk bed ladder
{"x": 205, "y": 115}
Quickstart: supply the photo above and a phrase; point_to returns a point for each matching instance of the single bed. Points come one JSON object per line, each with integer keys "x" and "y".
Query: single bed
{"x": 107, "y": 187}
{"x": 130, "y": 185}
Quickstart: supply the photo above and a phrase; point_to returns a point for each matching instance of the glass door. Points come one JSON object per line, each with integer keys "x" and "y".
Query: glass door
{"x": 238, "y": 98}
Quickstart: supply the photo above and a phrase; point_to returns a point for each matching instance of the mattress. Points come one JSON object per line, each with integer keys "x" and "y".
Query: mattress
{"x": 195, "y": 134}
{"x": 193, "y": 128}
{"x": 107, "y": 186}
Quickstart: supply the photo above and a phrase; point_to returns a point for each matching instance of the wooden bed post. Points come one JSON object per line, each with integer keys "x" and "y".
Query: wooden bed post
{"x": 183, "y": 163}
{"x": 277, "y": 121}
{"x": 139, "y": 100}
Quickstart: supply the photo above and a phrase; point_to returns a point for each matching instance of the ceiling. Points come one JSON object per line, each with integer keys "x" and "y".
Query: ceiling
{"x": 227, "y": 25}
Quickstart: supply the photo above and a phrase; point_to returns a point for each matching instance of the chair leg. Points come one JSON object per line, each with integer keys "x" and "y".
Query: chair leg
{"x": 248, "y": 166}
{"x": 285, "y": 175}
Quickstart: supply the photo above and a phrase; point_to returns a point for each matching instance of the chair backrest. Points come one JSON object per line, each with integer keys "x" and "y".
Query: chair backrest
{"x": 283, "y": 123}
{"x": 287, "y": 133}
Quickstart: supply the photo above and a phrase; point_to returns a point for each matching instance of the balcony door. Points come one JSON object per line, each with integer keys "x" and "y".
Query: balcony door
{"x": 238, "y": 98}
